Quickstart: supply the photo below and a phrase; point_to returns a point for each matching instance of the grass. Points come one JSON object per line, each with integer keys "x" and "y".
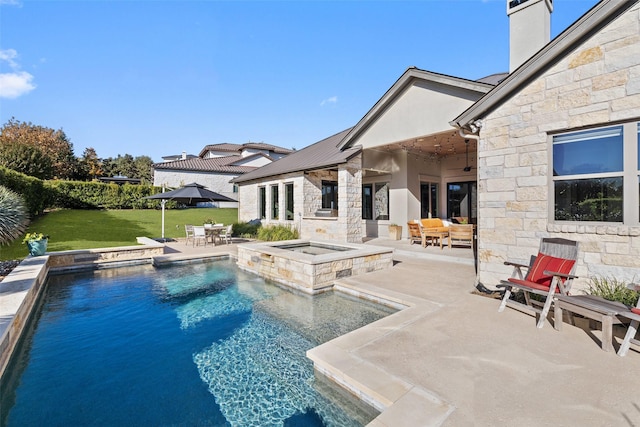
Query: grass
{"x": 85, "y": 229}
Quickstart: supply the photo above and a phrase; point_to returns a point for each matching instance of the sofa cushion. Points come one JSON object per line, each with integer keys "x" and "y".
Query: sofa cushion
{"x": 433, "y": 224}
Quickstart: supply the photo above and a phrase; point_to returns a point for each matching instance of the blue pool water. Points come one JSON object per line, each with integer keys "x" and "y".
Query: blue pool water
{"x": 197, "y": 344}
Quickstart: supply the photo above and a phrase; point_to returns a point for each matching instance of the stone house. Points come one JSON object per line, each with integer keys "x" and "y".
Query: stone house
{"x": 559, "y": 149}
{"x": 216, "y": 166}
{"x": 510, "y": 152}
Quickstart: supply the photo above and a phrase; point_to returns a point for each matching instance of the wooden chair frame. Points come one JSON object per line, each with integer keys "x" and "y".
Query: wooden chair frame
{"x": 558, "y": 248}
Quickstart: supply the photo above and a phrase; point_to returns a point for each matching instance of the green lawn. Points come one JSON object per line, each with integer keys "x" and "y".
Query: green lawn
{"x": 84, "y": 229}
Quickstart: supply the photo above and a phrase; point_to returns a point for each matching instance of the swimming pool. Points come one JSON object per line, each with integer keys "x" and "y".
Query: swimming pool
{"x": 196, "y": 344}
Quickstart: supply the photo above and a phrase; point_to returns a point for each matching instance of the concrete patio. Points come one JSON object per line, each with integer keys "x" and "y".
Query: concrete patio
{"x": 451, "y": 359}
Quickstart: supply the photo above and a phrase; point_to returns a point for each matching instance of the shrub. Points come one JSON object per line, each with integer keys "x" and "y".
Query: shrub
{"x": 612, "y": 289}
{"x": 272, "y": 233}
{"x": 36, "y": 197}
{"x": 13, "y": 216}
{"x": 245, "y": 229}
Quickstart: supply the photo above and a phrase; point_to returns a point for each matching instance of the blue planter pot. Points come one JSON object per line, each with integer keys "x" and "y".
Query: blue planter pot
{"x": 37, "y": 247}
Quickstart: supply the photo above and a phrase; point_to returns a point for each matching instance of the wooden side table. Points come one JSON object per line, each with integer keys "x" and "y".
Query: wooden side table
{"x": 592, "y": 307}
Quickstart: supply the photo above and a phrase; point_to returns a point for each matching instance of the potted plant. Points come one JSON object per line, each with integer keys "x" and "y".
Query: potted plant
{"x": 37, "y": 243}
{"x": 395, "y": 231}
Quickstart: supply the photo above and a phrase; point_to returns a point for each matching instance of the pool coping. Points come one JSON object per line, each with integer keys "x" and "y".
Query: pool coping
{"x": 336, "y": 359}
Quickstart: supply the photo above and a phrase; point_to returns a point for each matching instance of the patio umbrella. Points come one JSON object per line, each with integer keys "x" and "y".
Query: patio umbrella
{"x": 190, "y": 193}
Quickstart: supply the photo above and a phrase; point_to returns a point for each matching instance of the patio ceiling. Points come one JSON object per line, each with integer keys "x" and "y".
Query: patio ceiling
{"x": 436, "y": 146}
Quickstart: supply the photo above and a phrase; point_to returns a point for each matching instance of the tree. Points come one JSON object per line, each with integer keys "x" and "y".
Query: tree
{"x": 26, "y": 159}
{"x": 53, "y": 144}
{"x": 144, "y": 168}
{"x": 91, "y": 164}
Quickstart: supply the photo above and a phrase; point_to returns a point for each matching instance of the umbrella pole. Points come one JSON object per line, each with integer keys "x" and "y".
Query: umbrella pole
{"x": 162, "y": 203}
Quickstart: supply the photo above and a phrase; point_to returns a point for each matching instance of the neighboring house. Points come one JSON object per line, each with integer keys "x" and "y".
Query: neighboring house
{"x": 560, "y": 149}
{"x": 216, "y": 166}
{"x": 437, "y": 145}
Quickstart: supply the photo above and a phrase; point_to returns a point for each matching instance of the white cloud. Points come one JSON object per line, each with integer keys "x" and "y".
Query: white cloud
{"x": 332, "y": 100}
{"x": 16, "y": 82}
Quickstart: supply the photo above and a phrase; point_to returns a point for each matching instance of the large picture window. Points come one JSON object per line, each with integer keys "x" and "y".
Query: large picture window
{"x": 262, "y": 202}
{"x": 588, "y": 175}
{"x": 275, "y": 212}
{"x": 375, "y": 201}
{"x": 288, "y": 194}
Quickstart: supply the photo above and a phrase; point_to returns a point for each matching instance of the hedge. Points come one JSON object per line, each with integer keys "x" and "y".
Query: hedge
{"x": 40, "y": 195}
{"x": 36, "y": 197}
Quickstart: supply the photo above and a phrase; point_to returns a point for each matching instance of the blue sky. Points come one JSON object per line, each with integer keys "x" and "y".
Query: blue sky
{"x": 161, "y": 77}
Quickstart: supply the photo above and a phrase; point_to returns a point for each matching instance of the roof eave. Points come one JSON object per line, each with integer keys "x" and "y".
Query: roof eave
{"x": 587, "y": 25}
{"x": 411, "y": 74}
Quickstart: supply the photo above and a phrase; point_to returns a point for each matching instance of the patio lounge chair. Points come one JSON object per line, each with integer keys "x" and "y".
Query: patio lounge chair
{"x": 416, "y": 234}
{"x": 549, "y": 273}
{"x": 461, "y": 234}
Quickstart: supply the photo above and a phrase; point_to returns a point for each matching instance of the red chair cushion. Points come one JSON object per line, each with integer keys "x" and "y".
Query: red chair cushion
{"x": 546, "y": 262}
{"x": 532, "y": 285}
{"x": 636, "y": 310}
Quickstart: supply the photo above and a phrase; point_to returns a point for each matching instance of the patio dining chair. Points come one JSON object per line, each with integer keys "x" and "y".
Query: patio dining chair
{"x": 225, "y": 234}
{"x": 199, "y": 234}
{"x": 188, "y": 228}
{"x": 549, "y": 273}
{"x": 634, "y": 316}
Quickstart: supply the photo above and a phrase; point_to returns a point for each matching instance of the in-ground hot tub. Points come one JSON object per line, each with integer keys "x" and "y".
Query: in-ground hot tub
{"x": 311, "y": 265}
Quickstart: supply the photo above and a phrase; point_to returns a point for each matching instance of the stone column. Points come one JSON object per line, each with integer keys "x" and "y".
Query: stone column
{"x": 350, "y": 199}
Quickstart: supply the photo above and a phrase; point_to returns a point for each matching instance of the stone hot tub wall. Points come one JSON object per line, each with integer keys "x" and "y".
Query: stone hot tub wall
{"x": 311, "y": 273}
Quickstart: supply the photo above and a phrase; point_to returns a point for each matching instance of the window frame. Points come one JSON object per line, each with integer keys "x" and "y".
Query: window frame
{"x": 289, "y": 207}
{"x": 262, "y": 202}
{"x": 374, "y": 201}
{"x": 334, "y": 194}
{"x": 630, "y": 175}
{"x": 275, "y": 201}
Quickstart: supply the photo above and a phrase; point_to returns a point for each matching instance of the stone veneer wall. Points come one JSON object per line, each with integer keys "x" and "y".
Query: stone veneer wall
{"x": 596, "y": 84}
{"x": 347, "y": 227}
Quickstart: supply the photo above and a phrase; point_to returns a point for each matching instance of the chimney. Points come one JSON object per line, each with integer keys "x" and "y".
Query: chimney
{"x": 529, "y": 29}
{"x": 184, "y": 155}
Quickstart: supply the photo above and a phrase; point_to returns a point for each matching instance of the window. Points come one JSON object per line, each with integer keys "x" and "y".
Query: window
{"x": 288, "y": 194}
{"x": 235, "y": 188}
{"x": 329, "y": 195}
{"x": 262, "y": 202}
{"x": 274, "y": 202}
{"x": 428, "y": 200}
{"x": 382, "y": 200}
{"x": 375, "y": 201}
{"x": 588, "y": 175}
{"x": 367, "y": 201}
{"x": 461, "y": 201}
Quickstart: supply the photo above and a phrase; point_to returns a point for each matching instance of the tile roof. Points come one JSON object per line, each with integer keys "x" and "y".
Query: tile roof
{"x": 216, "y": 164}
{"x": 320, "y": 155}
{"x": 237, "y": 148}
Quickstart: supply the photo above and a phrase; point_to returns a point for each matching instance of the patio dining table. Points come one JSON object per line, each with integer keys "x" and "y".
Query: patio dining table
{"x": 213, "y": 231}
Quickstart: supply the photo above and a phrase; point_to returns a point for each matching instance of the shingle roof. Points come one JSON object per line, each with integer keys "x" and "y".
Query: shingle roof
{"x": 216, "y": 164}
{"x": 322, "y": 154}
